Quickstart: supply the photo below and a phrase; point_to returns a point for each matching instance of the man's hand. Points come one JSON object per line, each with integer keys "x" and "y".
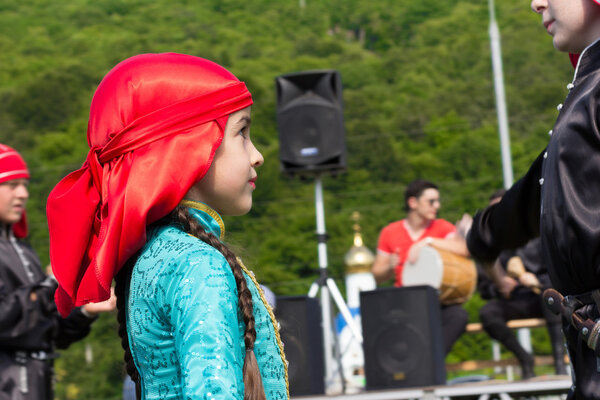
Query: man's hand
{"x": 531, "y": 281}
{"x": 393, "y": 260}
{"x": 464, "y": 225}
{"x": 517, "y": 270}
{"x": 415, "y": 250}
{"x": 506, "y": 286}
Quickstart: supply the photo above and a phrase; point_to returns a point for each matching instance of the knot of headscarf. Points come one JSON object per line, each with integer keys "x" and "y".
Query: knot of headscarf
{"x": 98, "y": 214}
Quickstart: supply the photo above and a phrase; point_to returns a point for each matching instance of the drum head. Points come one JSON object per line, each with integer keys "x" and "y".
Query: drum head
{"x": 428, "y": 270}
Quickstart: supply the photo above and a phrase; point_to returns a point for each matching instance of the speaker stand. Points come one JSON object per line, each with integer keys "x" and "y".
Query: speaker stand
{"x": 328, "y": 288}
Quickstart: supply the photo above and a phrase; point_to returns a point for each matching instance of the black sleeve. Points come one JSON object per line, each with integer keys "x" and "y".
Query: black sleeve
{"x": 531, "y": 254}
{"x": 73, "y": 328}
{"x": 18, "y": 315}
{"x": 485, "y": 285}
{"x": 510, "y": 223}
{"x": 505, "y": 256}
{"x": 21, "y": 314}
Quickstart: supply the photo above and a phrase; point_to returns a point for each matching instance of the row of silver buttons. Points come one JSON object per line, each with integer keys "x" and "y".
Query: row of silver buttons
{"x": 550, "y": 132}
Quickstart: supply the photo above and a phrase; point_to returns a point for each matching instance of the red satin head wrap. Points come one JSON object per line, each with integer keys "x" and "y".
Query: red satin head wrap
{"x": 12, "y": 166}
{"x": 155, "y": 123}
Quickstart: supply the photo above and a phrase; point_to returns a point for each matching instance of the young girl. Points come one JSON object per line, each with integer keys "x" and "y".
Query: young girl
{"x": 169, "y": 153}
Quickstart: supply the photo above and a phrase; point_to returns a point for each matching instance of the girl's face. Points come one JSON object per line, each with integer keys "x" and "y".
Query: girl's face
{"x": 228, "y": 185}
{"x": 573, "y": 24}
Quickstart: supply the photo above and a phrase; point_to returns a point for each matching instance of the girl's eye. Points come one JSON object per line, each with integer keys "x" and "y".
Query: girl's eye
{"x": 243, "y": 132}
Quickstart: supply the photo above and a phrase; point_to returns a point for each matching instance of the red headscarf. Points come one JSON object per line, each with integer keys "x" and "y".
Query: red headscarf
{"x": 155, "y": 123}
{"x": 12, "y": 166}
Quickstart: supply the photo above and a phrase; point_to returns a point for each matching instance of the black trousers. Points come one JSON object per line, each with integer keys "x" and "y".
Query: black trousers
{"x": 26, "y": 379}
{"x": 495, "y": 313}
{"x": 585, "y": 363}
{"x": 454, "y": 324}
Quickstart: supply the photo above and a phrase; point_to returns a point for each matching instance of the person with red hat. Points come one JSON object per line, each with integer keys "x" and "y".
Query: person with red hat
{"x": 30, "y": 326}
{"x": 170, "y": 152}
{"x": 559, "y": 197}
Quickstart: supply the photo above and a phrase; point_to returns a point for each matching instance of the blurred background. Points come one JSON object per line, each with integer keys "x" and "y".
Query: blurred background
{"x": 418, "y": 102}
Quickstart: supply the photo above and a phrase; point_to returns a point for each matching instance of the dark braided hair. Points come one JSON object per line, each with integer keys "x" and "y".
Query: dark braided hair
{"x": 122, "y": 280}
{"x": 253, "y": 387}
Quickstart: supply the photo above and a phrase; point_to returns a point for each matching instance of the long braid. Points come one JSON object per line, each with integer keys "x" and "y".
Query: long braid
{"x": 253, "y": 388}
{"x": 122, "y": 280}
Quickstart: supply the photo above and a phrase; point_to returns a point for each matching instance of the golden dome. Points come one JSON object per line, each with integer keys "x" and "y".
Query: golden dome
{"x": 359, "y": 258}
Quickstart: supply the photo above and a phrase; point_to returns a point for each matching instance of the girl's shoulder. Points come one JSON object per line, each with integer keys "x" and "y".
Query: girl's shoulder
{"x": 181, "y": 251}
{"x": 171, "y": 239}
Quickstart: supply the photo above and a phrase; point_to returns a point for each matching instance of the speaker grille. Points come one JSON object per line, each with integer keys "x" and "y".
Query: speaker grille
{"x": 403, "y": 342}
{"x": 300, "y": 329}
{"x": 310, "y": 140}
{"x": 310, "y": 122}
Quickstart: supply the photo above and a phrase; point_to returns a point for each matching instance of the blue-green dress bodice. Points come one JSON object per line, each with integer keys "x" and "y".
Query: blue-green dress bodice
{"x": 184, "y": 324}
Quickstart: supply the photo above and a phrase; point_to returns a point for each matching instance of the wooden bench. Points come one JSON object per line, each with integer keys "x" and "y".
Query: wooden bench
{"x": 473, "y": 365}
{"x": 475, "y": 327}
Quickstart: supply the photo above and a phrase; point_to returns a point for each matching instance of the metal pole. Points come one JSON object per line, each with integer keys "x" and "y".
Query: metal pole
{"x": 328, "y": 288}
{"x": 507, "y": 171}
{"x": 325, "y": 302}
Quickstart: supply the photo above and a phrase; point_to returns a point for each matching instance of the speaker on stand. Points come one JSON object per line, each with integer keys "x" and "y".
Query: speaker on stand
{"x": 300, "y": 329}
{"x": 310, "y": 121}
{"x": 403, "y": 342}
{"x": 312, "y": 142}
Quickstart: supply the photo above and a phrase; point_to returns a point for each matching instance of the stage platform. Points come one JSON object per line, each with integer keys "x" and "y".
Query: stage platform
{"x": 539, "y": 387}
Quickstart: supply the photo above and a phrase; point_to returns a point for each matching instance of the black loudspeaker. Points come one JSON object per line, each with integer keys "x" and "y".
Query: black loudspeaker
{"x": 299, "y": 318}
{"x": 403, "y": 343}
{"x": 311, "y": 123}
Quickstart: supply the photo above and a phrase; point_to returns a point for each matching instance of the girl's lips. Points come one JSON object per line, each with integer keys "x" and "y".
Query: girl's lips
{"x": 252, "y": 182}
{"x": 548, "y": 24}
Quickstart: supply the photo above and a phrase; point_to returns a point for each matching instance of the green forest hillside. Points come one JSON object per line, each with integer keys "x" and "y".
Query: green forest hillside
{"x": 418, "y": 102}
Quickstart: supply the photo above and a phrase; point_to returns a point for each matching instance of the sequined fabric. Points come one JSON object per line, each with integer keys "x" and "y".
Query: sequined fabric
{"x": 184, "y": 325}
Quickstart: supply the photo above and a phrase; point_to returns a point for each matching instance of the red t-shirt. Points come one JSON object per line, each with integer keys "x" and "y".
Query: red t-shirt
{"x": 395, "y": 239}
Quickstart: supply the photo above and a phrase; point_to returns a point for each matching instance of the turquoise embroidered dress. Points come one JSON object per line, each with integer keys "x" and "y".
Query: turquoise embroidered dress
{"x": 183, "y": 321}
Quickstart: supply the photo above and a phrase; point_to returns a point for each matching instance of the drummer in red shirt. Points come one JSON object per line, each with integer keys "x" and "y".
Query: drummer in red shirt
{"x": 402, "y": 241}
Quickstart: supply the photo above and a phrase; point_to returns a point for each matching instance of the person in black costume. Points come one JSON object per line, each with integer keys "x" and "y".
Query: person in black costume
{"x": 30, "y": 327}
{"x": 519, "y": 298}
{"x": 559, "y": 197}
{"x": 515, "y": 293}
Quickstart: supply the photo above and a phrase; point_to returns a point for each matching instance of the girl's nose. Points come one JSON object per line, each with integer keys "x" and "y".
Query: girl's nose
{"x": 257, "y": 157}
